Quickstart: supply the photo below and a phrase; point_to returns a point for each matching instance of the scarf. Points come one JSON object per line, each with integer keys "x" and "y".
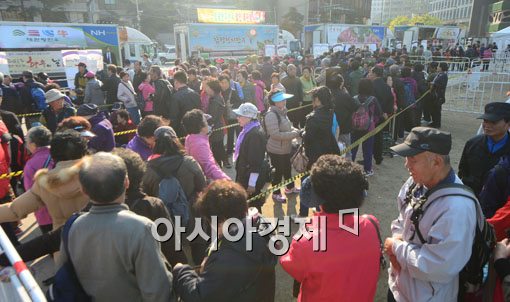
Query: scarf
{"x": 240, "y": 139}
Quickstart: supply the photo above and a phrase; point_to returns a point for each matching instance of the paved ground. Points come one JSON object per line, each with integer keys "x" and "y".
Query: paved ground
{"x": 384, "y": 186}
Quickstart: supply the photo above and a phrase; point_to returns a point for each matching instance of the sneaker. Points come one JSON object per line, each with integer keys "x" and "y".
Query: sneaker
{"x": 369, "y": 173}
{"x": 292, "y": 191}
{"x": 279, "y": 198}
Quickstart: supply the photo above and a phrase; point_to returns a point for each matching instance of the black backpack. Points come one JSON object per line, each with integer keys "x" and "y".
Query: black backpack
{"x": 483, "y": 243}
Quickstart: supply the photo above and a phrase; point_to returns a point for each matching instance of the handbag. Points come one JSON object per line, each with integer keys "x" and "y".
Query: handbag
{"x": 299, "y": 160}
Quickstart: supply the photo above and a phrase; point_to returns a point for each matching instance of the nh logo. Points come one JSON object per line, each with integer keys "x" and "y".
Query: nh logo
{"x": 98, "y": 32}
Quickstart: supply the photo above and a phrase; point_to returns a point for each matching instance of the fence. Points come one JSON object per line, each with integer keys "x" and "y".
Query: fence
{"x": 471, "y": 91}
{"x": 499, "y": 63}
{"x": 20, "y": 282}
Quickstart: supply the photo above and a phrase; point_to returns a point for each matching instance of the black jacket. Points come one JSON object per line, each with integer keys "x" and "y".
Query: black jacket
{"x": 138, "y": 79}
{"x": 251, "y": 156}
{"x": 217, "y": 111}
{"x": 293, "y": 86}
{"x": 111, "y": 86}
{"x": 398, "y": 87}
{"x": 419, "y": 77}
{"x": 267, "y": 71}
{"x": 476, "y": 162}
{"x": 183, "y": 100}
{"x": 384, "y": 95}
{"x": 230, "y": 274}
{"x": 162, "y": 97}
{"x": 345, "y": 106}
{"x": 138, "y": 202}
{"x": 439, "y": 87}
{"x": 11, "y": 100}
{"x": 29, "y": 104}
{"x": 12, "y": 122}
{"x": 318, "y": 138}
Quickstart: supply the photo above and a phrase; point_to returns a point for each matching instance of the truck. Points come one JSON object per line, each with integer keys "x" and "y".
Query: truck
{"x": 426, "y": 35}
{"x": 53, "y": 47}
{"x": 343, "y": 36}
{"x": 223, "y": 40}
{"x": 168, "y": 55}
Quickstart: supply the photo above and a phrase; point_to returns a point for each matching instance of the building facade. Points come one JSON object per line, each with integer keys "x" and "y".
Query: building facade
{"x": 499, "y": 17}
{"x": 339, "y": 11}
{"x": 383, "y": 11}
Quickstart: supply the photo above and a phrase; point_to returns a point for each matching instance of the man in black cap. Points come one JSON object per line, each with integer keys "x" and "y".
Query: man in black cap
{"x": 482, "y": 152}
{"x": 433, "y": 235}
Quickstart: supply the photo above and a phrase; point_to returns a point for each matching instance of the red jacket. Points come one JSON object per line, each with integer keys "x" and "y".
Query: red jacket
{"x": 347, "y": 271}
{"x": 501, "y": 221}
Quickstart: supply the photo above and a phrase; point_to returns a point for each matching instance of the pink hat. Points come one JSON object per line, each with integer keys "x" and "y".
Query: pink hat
{"x": 90, "y": 74}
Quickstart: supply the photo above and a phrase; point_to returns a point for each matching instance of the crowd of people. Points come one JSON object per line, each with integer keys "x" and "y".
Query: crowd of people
{"x": 134, "y": 145}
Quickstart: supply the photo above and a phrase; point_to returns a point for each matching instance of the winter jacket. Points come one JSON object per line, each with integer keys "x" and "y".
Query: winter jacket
{"x": 138, "y": 80}
{"x": 50, "y": 119}
{"x": 307, "y": 86}
{"x": 126, "y": 94}
{"x": 355, "y": 76}
{"x": 374, "y": 111}
{"x": 349, "y": 268}
{"x": 383, "y": 94}
{"x": 476, "y": 161}
{"x": 501, "y": 220}
{"x": 345, "y": 106}
{"x": 103, "y": 129}
{"x": 184, "y": 168}
{"x": 80, "y": 81}
{"x": 280, "y": 133}
{"x": 12, "y": 122}
{"x": 58, "y": 189}
{"x": 421, "y": 82}
{"x": 162, "y": 97}
{"x": 266, "y": 72}
{"x": 502, "y": 267}
{"x": 293, "y": 86}
{"x": 5, "y": 188}
{"x": 146, "y": 89}
{"x": 414, "y": 86}
{"x": 116, "y": 257}
{"x": 217, "y": 111}
{"x": 439, "y": 87}
{"x": 251, "y": 156}
{"x": 197, "y": 146}
{"x": 430, "y": 271}
{"x": 111, "y": 86}
{"x": 11, "y": 100}
{"x": 496, "y": 188}
{"x": 231, "y": 97}
{"x": 230, "y": 274}
{"x": 138, "y": 145}
{"x": 37, "y": 161}
{"x": 183, "y": 100}
{"x": 93, "y": 92}
{"x": 260, "y": 89}
{"x": 318, "y": 139}
{"x": 32, "y": 96}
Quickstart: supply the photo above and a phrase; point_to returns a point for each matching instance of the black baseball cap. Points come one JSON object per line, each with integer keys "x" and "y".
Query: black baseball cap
{"x": 496, "y": 111}
{"x": 422, "y": 139}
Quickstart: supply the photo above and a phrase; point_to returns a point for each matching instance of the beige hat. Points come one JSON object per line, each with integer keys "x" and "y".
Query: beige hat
{"x": 53, "y": 95}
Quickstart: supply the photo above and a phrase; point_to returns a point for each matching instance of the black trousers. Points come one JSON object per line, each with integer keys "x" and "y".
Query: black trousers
{"x": 218, "y": 151}
{"x": 378, "y": 145}
{"x": 436, "y": 114}
{"x": 232, "y": 132}
{"x": 282, "y": 167}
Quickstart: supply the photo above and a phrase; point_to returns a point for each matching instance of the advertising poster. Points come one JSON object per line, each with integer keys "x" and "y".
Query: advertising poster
{"x": 270, "y": 50}
{"x": 209, "y": 38}
{"x": 320, "y": 49}
{"x": 92, "y": 57}
{"x": 21, "y": 36}
{"x": 37, "y": 61}
{"x": 232, "y": 16}
{"x": 447, "y": 33}
{"x": 352, "y": 34}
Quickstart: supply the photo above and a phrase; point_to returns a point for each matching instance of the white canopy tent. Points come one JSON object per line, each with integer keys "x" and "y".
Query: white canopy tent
{"x": 502, "y": 38}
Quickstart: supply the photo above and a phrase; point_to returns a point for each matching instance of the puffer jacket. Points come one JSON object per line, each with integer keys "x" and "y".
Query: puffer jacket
{"x": 260, "y": 88}
{"x": 126, "y": 94}
{"x": 93, "y": 92}
{"x": 59, "y": 189}
{"x": 280, "y": 134}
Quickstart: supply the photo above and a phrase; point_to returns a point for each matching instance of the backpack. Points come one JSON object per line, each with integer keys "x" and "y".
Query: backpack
{"x": 263, "y": 122}
{"x": 409, "y": 94}
{"x": 361, "y": 118}
{"x": 173, "y": 196}
{"x": 66, "y": 286}
{"x": 38, "y": 98}
{"x": 483, "y": 243}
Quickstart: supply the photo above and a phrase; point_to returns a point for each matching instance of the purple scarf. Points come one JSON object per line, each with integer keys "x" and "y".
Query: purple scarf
{"x": 240, "y": 139}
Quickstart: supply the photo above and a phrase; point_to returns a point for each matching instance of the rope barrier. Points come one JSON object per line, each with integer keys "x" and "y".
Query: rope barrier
{"x": 39, "y": 113}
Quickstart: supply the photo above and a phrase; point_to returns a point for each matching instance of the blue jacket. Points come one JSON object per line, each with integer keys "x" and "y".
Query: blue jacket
{"x": 103, "y": 129}
{"x": 496, "y": 189}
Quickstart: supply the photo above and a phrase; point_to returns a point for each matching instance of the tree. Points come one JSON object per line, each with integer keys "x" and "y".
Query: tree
{"x": 49, "y": 13}
{"x": 417, "y": 19}
{"x": 292, "y": 21}
{"x": 157, "y": 16}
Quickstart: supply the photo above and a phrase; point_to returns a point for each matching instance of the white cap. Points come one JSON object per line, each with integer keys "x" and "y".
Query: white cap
{"x": 247, "y": 110}
{"x": 53, "y": 95}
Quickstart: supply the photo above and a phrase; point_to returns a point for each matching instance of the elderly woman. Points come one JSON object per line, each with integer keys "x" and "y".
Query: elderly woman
{"x": 38, "y": 144}
{"x": 279, "y": 144}
{"x": 349, "y": 267}
{"x": 217, "y": 110}
{"x": 250, "y": 276}
{"x": 197, "y": 144}
{"x": 249, "y": 153}
{"x": 126, "y": 93}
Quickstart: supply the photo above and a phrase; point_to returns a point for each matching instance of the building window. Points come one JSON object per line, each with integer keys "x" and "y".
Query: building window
{"x": 110, "y": 2}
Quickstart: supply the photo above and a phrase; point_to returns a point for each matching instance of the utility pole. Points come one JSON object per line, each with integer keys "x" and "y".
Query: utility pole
{"x": 139, "y": 26}
{"x": 90, "y": 11}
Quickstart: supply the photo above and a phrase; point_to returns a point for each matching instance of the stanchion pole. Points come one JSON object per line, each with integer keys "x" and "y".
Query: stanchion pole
{"x": 21, "y": 269}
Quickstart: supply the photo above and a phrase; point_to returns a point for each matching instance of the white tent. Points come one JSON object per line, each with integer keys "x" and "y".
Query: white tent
{"x": 502, "y": 38}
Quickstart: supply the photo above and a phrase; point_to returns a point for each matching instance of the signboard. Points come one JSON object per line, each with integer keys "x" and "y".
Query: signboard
{"x": 230, "y": 16}
{"x": 37, "y": 61}
{"x": 24, "y": 36}
{"x": 270, "y": 50}
{"x": 320, "y": 49}
{"x": 352, "y": 34}
{"x": 447, "y": 33}
{"x": 4, "y": 66}
{"x": 210, "y": 38}
{"x": 282, "y": 51}
{"x": 92, "y": 57}
{"x": 100, "y": 36}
